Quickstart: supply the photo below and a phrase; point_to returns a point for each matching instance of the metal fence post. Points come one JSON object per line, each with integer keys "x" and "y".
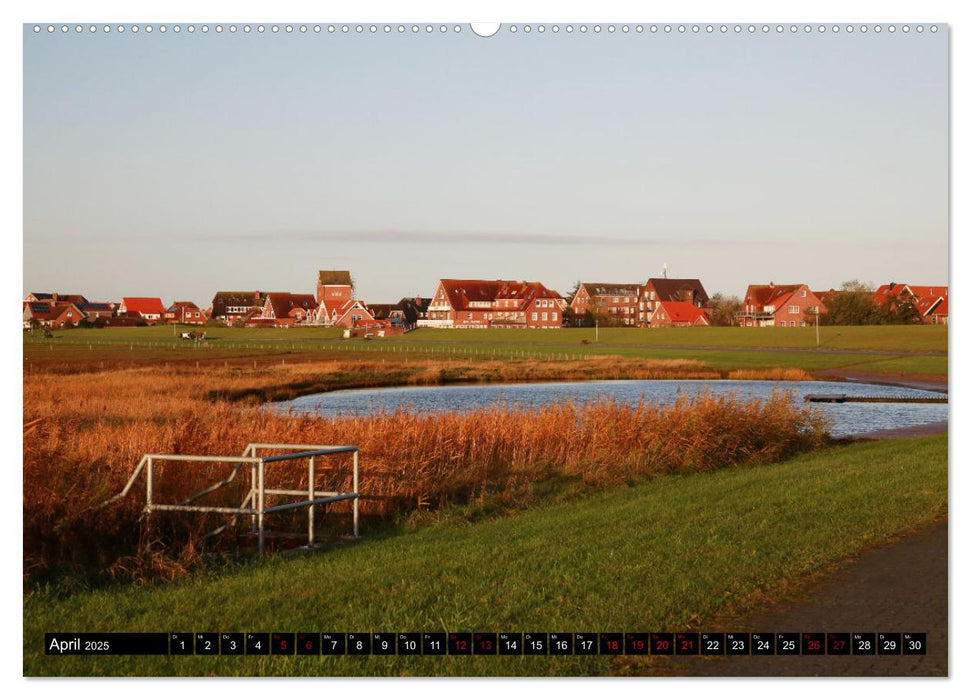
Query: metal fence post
{"x": 357, "y": 498}
{"x": 261, "y": 505}
{"x": 148, "y": 487}
{"x": 252, "y": 493}
{"x": 310, "y": 509}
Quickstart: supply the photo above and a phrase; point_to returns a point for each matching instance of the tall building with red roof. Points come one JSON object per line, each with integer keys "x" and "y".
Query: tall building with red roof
{"x": 616, "y": 302}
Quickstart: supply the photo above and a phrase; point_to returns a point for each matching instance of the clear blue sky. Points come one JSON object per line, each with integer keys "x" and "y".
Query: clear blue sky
{"x": 176, "y": 165}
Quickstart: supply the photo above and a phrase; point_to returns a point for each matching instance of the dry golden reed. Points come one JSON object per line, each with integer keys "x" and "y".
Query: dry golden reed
{"x": 85, "y": 432}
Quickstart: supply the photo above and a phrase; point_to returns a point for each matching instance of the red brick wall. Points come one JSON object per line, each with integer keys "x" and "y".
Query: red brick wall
{"x": 799, "y": 315}
{"x": 554, "y": 317}
{"x": 333, "y": 293}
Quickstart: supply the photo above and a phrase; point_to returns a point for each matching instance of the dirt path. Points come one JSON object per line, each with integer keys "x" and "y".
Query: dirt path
{"x": 899, "y": 587}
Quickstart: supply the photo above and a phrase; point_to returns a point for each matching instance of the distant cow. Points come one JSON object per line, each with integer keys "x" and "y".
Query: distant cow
{"x": 194, "y": 336}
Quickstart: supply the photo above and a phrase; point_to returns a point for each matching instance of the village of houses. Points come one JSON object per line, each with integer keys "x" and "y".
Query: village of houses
{"x": 657, "y": 303}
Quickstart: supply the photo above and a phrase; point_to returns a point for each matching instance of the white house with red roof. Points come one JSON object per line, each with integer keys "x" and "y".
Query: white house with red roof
{"x": 148, "y": 309}
{"x": 782, "y": 305}
{"x": 493, "y": 304}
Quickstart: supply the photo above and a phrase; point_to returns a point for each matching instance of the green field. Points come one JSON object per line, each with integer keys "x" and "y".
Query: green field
{"x": 904, "y": 339}
{"x": 666, "y": 554}
{"x": 884, "y": 338}
{"x": 888, "y": 349}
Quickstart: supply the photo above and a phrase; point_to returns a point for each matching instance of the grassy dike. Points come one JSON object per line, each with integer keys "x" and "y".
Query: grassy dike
{"x": 665, "y": 554}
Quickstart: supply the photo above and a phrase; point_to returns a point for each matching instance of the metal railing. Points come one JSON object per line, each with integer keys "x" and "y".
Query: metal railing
{"x": 254, "y": 503}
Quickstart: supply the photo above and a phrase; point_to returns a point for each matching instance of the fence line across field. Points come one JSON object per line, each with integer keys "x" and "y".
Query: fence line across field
{"x": 254, "y": 503}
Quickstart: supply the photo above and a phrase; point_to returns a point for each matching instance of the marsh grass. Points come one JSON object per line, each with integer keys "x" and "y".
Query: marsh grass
{"x": 85, "y": 432}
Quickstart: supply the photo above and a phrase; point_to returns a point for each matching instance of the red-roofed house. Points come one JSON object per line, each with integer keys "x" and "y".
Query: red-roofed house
{"x": 51, "y": 314}
{"x": 353, "y": 313}
{"x": 285, "y": 309}
{"x": 937, "y": 313}
{"x": 930, "y": 301}
{"x": 680, "y": 314}
{"x": 658, "y": 289}
{"x": 493, "y": 304}
{"x": 784, "y": 305}
{"x": 148, "y": 309}
{"x": 185, "y": 312}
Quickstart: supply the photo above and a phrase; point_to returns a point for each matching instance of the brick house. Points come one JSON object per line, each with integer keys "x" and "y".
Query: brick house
{"x": 51, "y": 314}
{"x": 185, "y": 312}
{"x": 931, "y": 301}
{"x": 233, "y": 308}
{"x": 614, "y": 302}
{"x": 148, "y": 309}
{"x": 286, "y": 309}
{"x": 782, "y": 305}
{"x": 661, "y": 289}
{"x": 348, "y": 314}
{"x": 94, "y": 310}
{"x": 681, "y": 314}
{"x": 493, "y": 304}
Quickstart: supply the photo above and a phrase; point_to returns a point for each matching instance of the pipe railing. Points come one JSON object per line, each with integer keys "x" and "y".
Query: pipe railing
{"x": 254, "y": 503}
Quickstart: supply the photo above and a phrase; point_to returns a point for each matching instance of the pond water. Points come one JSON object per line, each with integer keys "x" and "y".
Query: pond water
{"x": 847, "y": 418}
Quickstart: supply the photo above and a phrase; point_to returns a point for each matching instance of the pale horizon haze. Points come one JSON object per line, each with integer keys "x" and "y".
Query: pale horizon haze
{"x": 176, "y": 165}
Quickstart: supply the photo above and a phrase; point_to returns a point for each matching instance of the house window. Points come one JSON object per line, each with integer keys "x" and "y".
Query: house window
{"x": 545, "y": 316}
{"x": 534, "y": 315}
{"x": 783, "y": 324}
{"x": 804, "y": 294}
{"x": 793, "y": 309}
{"x": 554, "y": 316}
